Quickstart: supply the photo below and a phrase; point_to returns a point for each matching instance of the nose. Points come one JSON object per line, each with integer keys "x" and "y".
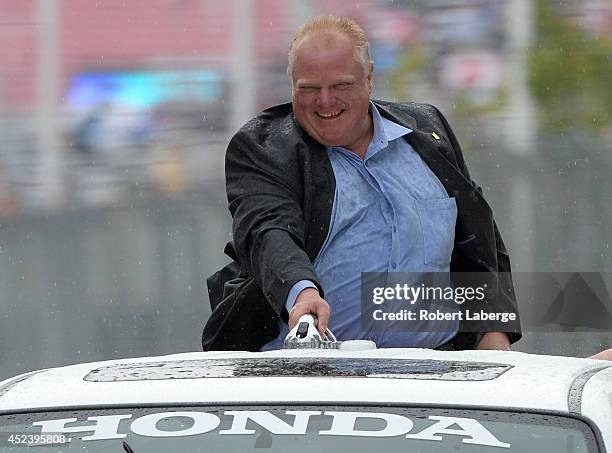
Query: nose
{"x": 325, "y": 98}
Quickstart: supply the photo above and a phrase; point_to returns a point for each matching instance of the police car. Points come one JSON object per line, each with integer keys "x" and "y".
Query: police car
{"x": 350, "y": 397}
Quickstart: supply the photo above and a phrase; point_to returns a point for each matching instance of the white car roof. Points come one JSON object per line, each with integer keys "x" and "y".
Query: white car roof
{"x": 478, "y": 379}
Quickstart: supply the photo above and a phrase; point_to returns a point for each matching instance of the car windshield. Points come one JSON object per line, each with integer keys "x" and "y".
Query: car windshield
{"x": 298, "y": 429}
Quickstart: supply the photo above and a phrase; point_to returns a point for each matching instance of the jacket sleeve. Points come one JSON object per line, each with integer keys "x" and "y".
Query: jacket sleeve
{"x": 506, "y": 299}
{"x": 263, "y": 184}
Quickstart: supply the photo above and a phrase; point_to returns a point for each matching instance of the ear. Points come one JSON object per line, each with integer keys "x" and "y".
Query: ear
{"x": 370, "y": 76}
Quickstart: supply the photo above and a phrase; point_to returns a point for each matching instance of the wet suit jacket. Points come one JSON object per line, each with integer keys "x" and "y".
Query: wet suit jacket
{"x": 280, "y": 187}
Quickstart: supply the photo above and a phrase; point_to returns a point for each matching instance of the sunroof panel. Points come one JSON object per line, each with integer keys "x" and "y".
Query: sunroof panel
{"x": 300, "y": 367}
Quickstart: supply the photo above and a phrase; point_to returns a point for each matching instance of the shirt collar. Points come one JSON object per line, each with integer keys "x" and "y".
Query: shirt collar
{"x": 385, "y": 131}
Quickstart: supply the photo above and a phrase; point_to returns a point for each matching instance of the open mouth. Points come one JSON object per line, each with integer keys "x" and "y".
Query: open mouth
{"x": 329, "y": 115}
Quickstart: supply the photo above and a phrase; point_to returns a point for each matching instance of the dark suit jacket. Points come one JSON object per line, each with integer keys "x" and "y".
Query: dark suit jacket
{"x": 280, "y": 187}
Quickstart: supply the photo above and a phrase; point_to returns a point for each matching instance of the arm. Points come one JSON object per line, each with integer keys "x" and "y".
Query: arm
{"x": 506, "y": 299}
{"x": 265, "y": 200}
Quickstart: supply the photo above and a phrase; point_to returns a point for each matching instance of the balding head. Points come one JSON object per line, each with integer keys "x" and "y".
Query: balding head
{"x": 327, "y": 30}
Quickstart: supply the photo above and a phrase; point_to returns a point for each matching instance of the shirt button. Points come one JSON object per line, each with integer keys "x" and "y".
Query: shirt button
{"x": 394, "y": 265}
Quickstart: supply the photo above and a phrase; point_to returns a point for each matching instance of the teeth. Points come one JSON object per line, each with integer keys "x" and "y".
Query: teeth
{"x": 329, "y": 115}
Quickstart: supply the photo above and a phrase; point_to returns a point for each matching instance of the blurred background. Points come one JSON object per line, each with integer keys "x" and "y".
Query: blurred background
{"x": 115, "y": 114}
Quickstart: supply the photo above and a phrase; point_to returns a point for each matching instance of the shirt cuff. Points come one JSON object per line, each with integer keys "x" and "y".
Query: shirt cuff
{"x": 296, "y": 290}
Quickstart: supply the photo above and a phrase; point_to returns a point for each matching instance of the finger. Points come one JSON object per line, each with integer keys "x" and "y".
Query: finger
{"x": 296, "y": 313}
{"x": 323, "y": 313}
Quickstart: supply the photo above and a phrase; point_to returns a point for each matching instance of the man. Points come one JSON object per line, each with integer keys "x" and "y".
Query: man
{"x": 333, "y": 185}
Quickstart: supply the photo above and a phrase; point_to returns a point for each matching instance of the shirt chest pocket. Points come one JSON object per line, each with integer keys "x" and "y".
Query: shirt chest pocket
{"x": 437, "y": 218}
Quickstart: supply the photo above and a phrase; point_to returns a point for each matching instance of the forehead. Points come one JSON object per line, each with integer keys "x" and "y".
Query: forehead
{"x": 325, "y": 53}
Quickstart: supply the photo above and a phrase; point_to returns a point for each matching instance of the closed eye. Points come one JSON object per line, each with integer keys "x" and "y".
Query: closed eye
{"x": 307, "y": 89}
{"x": 342, "y": 85}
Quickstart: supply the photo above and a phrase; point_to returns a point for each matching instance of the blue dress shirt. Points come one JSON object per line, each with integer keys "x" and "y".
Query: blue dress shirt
{"x": 390, "y": 214}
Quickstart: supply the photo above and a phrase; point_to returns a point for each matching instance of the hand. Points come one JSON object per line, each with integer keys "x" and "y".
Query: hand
{"x": 494, "y": 340}
{"x": 309, "y": 301}
{"x": 603, "y": 355}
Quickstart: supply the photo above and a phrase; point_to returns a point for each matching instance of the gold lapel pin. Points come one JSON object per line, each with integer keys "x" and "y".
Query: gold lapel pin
{"x": 436, "y": 136}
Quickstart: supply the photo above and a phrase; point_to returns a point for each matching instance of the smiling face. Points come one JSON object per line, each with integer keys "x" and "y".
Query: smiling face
{"x": 331, "y": 92}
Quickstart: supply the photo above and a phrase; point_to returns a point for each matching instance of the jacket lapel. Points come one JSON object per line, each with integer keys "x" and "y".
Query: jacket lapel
{"x": 475, "y": 218}
{"x": 438, "y": 160}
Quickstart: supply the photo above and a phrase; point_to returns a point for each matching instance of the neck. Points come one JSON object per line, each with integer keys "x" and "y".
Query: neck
{"x": 360, "y": 147}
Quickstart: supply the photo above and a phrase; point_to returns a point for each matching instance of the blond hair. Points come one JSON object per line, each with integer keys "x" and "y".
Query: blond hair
{"x": 328, "y": 25}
